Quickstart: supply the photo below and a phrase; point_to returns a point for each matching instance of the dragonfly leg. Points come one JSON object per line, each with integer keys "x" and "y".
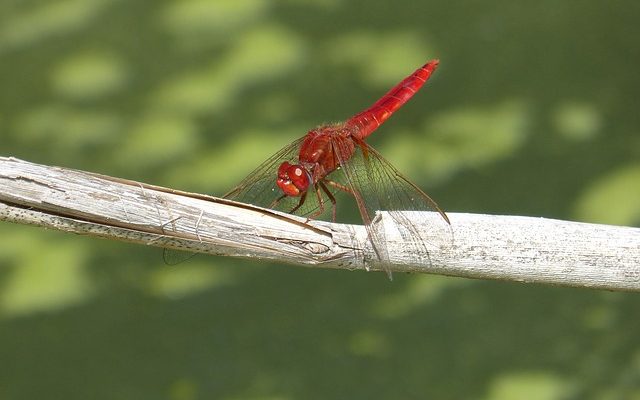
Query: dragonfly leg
{"x": 294, "y": 209}
{"x": 300, "y": 203}
{"x": 276, "y": 201}
{"x": 320, "y": 202}
{"x": 331, "y": 199}
{"x": 337, "y": 185}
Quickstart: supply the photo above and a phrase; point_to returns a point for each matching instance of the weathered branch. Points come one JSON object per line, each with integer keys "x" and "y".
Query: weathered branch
{"x": 476, "y": 246}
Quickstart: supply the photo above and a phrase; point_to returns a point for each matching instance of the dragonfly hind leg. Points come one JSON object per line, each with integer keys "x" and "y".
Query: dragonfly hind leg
{"x": 339, "y": 186}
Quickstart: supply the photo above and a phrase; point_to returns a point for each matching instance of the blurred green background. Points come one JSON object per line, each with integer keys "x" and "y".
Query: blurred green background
{"x": 533, "y": 111}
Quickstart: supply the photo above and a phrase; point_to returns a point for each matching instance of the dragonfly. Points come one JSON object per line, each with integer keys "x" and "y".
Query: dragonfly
{"x": 305, "y": 176}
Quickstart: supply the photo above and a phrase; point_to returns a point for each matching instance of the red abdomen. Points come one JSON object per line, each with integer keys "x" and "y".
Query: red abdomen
{"x": 369, "y": 120}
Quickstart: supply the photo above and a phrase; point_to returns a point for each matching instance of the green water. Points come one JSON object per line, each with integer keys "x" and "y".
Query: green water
{"x": 533, "y": 111}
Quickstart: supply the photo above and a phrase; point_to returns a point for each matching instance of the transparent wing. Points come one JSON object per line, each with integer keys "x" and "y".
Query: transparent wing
{"x": 378, "y": 185}
{"x": 259, "y": 187}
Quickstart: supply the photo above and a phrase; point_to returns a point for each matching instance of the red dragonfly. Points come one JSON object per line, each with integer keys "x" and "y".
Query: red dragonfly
{"x": 304, "y": 176}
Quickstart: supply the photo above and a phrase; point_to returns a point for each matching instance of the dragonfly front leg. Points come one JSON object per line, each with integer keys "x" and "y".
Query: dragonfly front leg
{"x": 276, "y": 201}
{"x": 293, "y": 210}
{"x": 300, "y": 203}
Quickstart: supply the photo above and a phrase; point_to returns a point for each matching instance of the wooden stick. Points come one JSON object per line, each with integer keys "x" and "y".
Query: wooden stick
{"x": 511, "y": 248}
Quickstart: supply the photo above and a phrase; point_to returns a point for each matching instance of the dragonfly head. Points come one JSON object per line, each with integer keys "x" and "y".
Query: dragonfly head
{"x": 293, "y": 179}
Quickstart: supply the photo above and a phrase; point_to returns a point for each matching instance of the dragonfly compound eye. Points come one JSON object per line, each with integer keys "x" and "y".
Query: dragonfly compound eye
{"x": 292, "y": 179}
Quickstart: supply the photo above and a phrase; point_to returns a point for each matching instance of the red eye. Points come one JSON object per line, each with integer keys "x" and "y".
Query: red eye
{"x": 292, "y": 179}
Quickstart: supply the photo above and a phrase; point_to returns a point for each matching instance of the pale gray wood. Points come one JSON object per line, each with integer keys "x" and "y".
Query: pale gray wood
{"x": 508, "y": 248}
